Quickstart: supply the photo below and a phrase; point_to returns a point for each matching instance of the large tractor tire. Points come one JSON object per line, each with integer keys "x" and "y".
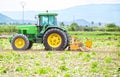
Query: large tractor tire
{"x": 30, "y": 45}
{"x": 55, "y": 39}
{"x": 68, "y": 40}
{"x": 20, "y": 42}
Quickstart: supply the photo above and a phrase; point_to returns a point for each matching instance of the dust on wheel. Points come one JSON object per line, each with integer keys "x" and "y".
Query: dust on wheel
{"x": 55, "y": 39}
{"x": 20, "y": 42}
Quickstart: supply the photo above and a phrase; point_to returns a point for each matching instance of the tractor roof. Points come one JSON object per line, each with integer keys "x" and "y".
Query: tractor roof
{"x": 44, "y": 14}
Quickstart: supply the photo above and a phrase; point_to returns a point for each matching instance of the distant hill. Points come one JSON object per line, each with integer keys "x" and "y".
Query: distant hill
{"x": 104, "y": 13}
{"x": 5, "y": 19}
{"x": 80, "y": 22}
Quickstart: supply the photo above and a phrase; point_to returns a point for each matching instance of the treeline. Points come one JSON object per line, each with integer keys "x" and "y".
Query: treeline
{"x": 72, "y": 27}
{"x": 107, "y": 27}
{"x": 7, "y": 28}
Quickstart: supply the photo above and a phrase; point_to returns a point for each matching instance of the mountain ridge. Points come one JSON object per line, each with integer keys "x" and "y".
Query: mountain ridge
{"x": 5, "y": 19}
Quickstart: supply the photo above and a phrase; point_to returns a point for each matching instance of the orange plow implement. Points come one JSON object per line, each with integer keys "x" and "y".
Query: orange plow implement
{"x": 76, "y": 45}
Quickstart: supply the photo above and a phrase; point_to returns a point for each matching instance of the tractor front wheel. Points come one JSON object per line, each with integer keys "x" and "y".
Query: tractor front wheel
{"x": 20, "y": 42}
{"x": 55, "y": 39}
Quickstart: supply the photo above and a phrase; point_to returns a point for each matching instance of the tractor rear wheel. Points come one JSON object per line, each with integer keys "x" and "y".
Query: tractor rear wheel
{"x": 55, "y": 39}
{"x": 20, "y": 42}
{"x": 30, "y": 45}
{"x": 68, "y": 40}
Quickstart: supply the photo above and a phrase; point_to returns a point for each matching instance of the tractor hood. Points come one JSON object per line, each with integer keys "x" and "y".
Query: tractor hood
{"x": 27, "y": 29}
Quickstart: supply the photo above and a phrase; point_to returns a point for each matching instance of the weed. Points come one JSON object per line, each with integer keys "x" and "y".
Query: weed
{"x": 118, "y": 45}
{"x": 20, "y": 69}
{"x": 118, "y": 53}
{"x": 3, "y": 70}
{"x": 49, "y": 54}
{"x": 94, "y": 64}
{"x": 105, "y": 71}
{"x": 80, "y": 53}
{"x": 63, "y": 68}
{"x": 1, "y": 56}
{"x": 107, "y": 75}
{"x": 8, "y": 57}
{"x": 118, "y": 70}
{"x": 108, "y": 43}
{"x": 108, "y": 59}
{"x": 87, "y": 57}
{"x": 94, "y": 67}
{"x": 62, "y": 57}
{"x": 67, "y": 75}
{"x": 54, "y": 76}
{"x": 37, "y": 63}
{"x": 94, "y": 70}
{"x": 93, "y": 53}
{"x": 67, "y": 52}
{"x": 42, "y": 70}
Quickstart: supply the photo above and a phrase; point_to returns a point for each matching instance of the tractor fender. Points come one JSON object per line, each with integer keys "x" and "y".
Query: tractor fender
{"x": 61, "y": 28}
{"x": 48, "y": 28}
{"x": 52, "y": 28}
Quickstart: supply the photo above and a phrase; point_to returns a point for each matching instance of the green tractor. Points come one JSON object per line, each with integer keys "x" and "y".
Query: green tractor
{"x": 46, "y": 31}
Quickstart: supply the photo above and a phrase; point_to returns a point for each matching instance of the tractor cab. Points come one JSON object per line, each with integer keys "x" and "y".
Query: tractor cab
{"x": 47, "y": 19}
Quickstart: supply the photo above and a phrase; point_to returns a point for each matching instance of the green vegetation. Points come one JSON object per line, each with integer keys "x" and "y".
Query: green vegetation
{"x": 107, "y": 27}
{"x": 96, "y": 35}
{"x": 108, "y": 60}
{"x": 118, "y": 53}
{"x": 112, "y": 27}
{"x": 7, "y": 29}
{"x": 73, "y": 27}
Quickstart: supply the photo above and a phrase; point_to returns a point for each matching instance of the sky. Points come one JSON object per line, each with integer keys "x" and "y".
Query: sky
{"x": 42, "y": 5}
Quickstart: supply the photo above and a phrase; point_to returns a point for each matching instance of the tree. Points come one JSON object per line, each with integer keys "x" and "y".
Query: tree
{"x": 111, "y": 27}
{"x": 73, "y": 27}
{"x": 62, "y": 24}
{"x": 99, "y": 23}
{"x": 88, "y": 28}
{"x": 92, "y": 22}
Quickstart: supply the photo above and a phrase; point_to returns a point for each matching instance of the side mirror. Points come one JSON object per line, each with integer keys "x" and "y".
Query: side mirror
{"x": 36, "y": 24}
{"x": 36, "y": 17}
